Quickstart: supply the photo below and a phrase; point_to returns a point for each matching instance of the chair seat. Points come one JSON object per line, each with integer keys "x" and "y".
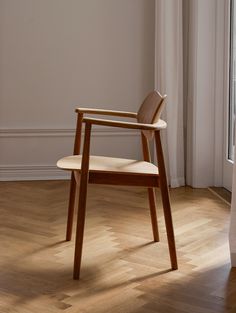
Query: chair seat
{"x": 109, "y": 165}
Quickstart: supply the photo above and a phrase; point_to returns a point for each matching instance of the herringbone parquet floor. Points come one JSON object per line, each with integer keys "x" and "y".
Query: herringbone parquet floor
{"x": 123, "y": 271}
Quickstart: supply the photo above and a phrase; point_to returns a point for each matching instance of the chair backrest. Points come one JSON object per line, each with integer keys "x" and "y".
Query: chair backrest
{"x": 151, "y": 108}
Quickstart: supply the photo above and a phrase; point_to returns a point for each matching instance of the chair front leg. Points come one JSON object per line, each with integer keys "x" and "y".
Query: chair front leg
{"x": 166, "y": 201}
{"x": 71, "y": 205}
{"x": 82, "y": 202}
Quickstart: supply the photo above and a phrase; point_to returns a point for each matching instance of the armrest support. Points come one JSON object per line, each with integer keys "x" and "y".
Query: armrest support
{"x": 106, "y": 112}
{"x": 156, "y": 126}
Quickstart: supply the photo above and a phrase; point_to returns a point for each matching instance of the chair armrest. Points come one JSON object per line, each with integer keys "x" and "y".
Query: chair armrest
{"x": 106, "y": 112}
{"x": 156, "y": 126}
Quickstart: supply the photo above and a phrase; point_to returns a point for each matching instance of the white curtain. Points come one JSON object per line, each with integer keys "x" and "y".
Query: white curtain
{"x": 169, "y": 80}
{"x": 232, "y": 230}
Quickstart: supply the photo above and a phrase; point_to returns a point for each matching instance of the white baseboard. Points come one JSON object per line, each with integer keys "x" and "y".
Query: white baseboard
{"x": 36, "y": 172}
{"x": 31, "y": 154}
{"x": 100, "y": 131}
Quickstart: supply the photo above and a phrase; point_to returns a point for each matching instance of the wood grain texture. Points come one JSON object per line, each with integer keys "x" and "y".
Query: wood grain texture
{"x": 151, "y": 191}
{"x": 71, "y": 204}
{"x": 151, "y": 108}
{"x": 109, "y": 165}
{"x": 123, "y": 179}
{"x": 166, "y": 201}
{"x": 123, "y": 271}
{"x": 106, "y": 112}
{"x": 160, "y": 124}
{"x": 84, "y": 177}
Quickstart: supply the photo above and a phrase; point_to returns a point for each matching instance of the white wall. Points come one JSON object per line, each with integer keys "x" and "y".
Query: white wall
{"x": 56, "y": 55}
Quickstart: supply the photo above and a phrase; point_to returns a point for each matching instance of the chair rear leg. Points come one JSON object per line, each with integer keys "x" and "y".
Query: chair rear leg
{"x": 169, "y": 225}
{"x": 71, "y": 207}
{"x": 166, "y": 201}
{"x": 152, "y": 205}
{"x": 84, "y": 177}
{"x": 80, "y": 228}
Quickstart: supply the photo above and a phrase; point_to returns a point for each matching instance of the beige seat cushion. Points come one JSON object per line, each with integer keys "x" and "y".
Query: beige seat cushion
{"x": 107, "y": 164}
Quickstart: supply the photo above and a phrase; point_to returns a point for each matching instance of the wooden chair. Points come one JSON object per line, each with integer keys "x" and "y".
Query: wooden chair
{"x": 114, "y": 171}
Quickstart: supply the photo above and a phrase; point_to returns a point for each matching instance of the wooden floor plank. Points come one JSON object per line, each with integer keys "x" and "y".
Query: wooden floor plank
{"x": 123, "y": 270}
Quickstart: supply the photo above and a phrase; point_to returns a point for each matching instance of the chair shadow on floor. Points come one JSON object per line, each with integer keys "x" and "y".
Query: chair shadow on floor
{"x": 27, "y": 280}
{"x": 165, "y": 291}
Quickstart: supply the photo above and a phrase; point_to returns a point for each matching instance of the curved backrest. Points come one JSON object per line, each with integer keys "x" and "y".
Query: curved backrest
{"x": 151, "y": 108}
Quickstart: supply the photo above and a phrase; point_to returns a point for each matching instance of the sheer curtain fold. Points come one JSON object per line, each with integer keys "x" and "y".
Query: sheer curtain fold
{"x": 169, "y": 80}
{"x": 232, "y": 228}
